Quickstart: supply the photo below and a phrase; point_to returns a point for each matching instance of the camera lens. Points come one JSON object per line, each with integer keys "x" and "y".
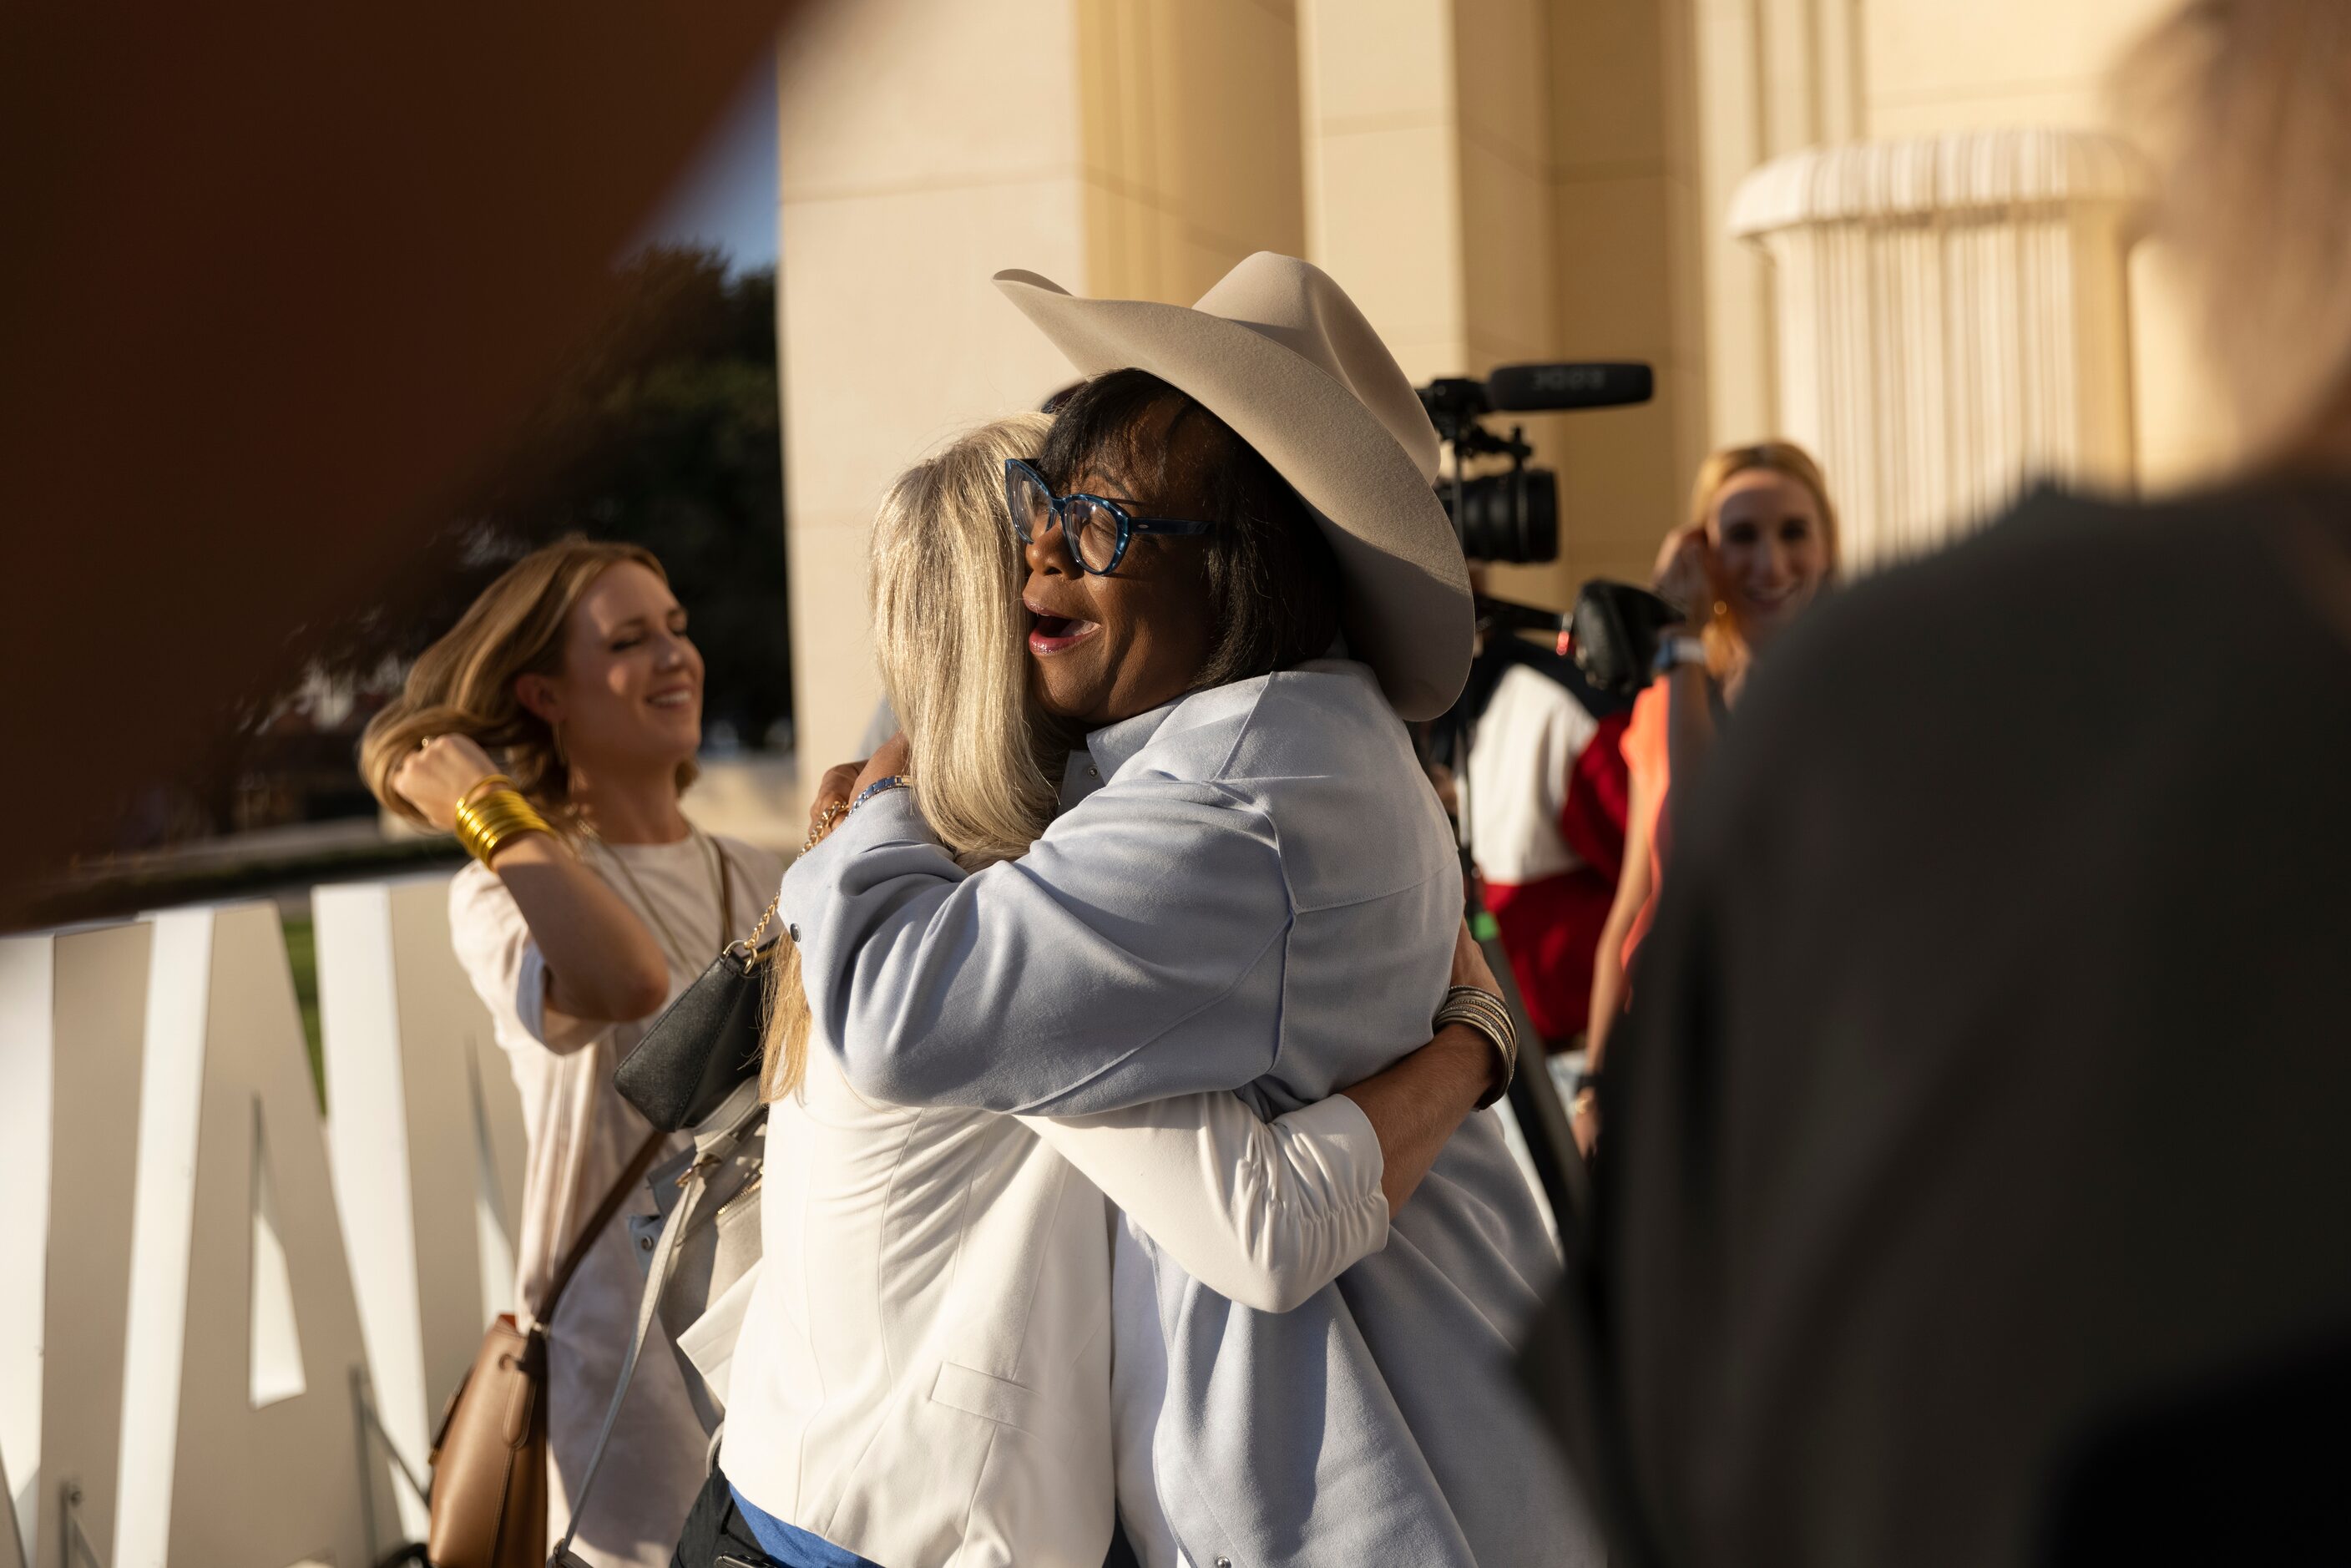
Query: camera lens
{"x": 1511, "y": 518}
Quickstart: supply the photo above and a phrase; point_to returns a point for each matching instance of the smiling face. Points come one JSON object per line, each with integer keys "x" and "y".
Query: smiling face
{"x": 628, "y": 699}
{"x": 1769, "y": 550}
{"x": 1102, "y": 648}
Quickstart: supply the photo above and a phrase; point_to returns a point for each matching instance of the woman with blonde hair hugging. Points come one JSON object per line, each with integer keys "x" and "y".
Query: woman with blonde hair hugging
{"x": 925, "y": 1375}
{"x": 554, "y": 728}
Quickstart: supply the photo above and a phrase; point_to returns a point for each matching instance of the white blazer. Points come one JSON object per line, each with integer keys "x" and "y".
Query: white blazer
{"x": 923, "y": 1372}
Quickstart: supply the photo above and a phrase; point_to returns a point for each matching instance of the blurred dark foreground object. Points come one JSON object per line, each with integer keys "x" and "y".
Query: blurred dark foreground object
{"x": 1980, "y": 1181}
{"x": 275, "y": 276}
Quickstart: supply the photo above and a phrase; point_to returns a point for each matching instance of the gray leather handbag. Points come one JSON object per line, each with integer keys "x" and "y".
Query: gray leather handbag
{"x": 715, "y": 1257}
{"x": 700, "y": 1257}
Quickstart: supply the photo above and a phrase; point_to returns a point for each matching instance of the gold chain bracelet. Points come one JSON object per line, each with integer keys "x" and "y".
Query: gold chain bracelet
{"x": 833, "y": 812}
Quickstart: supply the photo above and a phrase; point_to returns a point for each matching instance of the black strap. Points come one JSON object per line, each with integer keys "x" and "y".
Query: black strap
{"x": 630, "y": 1176}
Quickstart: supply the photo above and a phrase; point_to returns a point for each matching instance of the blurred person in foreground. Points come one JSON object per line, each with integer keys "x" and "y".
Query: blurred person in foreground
{"x": 1981, "y": 1166}
{"x": 961, "y": 1403}
{"x": 562, "y": 713}
{"x": 1250, "y": 887}
{"x": 1761, "y": 545}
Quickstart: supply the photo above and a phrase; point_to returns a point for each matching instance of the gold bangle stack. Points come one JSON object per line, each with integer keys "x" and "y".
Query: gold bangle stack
{"x": 1484, "y": 1011}
{"x": 493, "y": 814}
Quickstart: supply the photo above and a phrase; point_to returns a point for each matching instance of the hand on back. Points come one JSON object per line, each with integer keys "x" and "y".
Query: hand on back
{"x": 844, "y": 781}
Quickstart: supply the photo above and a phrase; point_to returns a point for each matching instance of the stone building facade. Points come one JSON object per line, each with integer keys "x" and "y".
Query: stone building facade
{"x": 1900, "y": 230}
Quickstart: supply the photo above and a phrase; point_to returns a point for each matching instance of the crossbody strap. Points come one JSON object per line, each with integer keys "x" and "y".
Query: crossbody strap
{"x": 696, "y": 1181}
{"x": 630, "y": 1176}
{"x": 725, "y": 891}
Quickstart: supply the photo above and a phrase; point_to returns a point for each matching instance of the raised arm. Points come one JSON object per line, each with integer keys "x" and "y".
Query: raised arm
{"x": 601, "y": 964}
{"x": 1041, "y": 984}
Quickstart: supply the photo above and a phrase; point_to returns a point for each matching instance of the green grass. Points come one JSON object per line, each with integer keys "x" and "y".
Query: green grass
{"x": 302, "y": 953}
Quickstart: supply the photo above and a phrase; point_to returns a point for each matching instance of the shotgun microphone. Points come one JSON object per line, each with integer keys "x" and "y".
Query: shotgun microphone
{"x": 1596, "y": 384}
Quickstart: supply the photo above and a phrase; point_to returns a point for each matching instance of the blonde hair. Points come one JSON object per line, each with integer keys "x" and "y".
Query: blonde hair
{"x": 464, "y": 684}
{"x": 2246, "y": 107}
{"x": 945, "y": 588}
{"x": 1726, "y": 645}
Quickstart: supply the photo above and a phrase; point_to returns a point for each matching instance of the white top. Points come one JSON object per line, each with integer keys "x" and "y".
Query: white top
{"x": 924, "y": 1377}
{"x": 1532, "y": 731}
{"x": 580, "y": 1133}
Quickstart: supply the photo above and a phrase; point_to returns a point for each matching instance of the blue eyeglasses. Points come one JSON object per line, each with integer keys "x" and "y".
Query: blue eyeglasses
{"x": 1096, "y": 527}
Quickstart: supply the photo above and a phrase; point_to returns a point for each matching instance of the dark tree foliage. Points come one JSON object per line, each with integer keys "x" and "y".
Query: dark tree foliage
{"x": 663, "y": 431}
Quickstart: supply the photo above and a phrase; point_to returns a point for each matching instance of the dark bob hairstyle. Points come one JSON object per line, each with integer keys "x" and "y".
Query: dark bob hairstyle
{"x": 1273, "y": 581}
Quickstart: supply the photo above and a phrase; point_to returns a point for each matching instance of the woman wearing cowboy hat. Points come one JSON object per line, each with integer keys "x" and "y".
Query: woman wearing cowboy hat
{"x": 1251, "y": 888}
{"x": 996, "y": 1296}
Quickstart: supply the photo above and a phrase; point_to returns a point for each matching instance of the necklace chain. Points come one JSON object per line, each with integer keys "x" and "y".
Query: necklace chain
{"x": 675, "y": 948}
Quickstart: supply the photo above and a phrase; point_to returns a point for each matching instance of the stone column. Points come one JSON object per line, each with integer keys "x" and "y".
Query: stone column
{"x": 1951, "y": 314}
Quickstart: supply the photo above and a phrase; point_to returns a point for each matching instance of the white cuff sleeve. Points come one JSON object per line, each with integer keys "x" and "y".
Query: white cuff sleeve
{"x": 1264, "y": 1213}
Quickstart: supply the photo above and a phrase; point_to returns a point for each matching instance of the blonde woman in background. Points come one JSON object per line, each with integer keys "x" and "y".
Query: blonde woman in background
{"x": 564, "y": 713}
{"x": 1761, "y": 545}
{"x": 924, "y": 1374}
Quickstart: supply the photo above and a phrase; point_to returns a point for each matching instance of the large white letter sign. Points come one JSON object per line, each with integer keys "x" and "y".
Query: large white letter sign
{"x": 12, "y": 1554}
{"x": 239, "y": 1442}
{"x": 427, "y": 1142}
{"x": 72, "y": 1007}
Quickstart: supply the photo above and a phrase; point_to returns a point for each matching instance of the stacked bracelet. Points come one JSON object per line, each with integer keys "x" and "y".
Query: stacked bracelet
{"x": 490, "y": 819}
{"x": 1483, "y": 1011}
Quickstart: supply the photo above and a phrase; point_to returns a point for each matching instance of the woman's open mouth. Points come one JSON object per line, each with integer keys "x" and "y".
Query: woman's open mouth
{"x": 1057, "y": 633}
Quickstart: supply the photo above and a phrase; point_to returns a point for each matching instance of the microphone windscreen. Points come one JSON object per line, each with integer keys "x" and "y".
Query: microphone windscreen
{"x": 1597, "y": 384}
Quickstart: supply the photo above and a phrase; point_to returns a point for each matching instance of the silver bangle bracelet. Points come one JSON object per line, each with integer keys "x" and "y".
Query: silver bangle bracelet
{"x": 1483, "y": 1011}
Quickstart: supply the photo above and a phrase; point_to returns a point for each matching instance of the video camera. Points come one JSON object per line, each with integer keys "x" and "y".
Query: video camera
{"x": 1514, "y": 516}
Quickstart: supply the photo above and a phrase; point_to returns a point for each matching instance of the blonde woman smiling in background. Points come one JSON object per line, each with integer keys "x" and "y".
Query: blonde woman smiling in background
{"x": 924, "y": 1374}
{"x": 1761, "y": 545}
{"x": 574, "y": 669}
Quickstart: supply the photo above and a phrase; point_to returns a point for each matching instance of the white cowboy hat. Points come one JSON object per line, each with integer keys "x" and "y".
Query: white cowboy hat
{"x": 1278, "y": 353}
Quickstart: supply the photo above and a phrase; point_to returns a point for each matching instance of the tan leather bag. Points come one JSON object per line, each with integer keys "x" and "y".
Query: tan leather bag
{"x": 489, "y": 1459}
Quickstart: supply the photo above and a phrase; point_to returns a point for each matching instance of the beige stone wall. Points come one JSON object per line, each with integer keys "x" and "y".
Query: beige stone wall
{"x": 1625, "y": 183}
{"x": 1497, "y": 180}
{"x": 1492, "y": 180}
{"x": 909, "y": 174}
{"x": 1774, "y": 75}
{"x": 2025, "y": 62}
{"x": 1190, "y": 128}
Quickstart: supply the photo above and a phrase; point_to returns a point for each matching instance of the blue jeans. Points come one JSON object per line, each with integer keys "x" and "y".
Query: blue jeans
{"x": 725, "y": 1528}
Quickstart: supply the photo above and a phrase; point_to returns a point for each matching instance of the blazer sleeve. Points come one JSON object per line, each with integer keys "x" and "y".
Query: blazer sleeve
{"x": 1263, "y": 1213}
{"x": 1043, "y": 984}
